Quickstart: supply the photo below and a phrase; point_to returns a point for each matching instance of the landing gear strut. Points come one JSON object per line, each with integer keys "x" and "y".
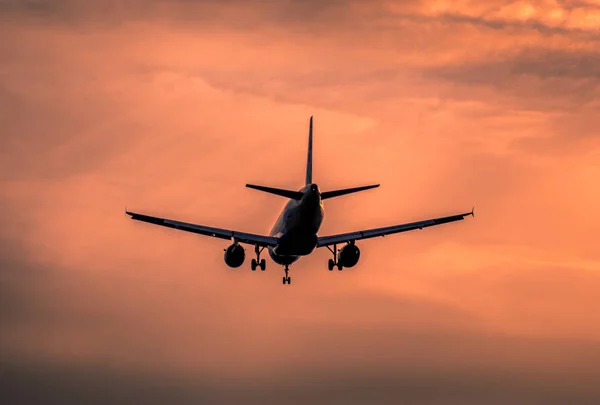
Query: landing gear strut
{"x": 257, "y": 262}
{"x": 287, "y": 279}
{"x": 334, "y": 262}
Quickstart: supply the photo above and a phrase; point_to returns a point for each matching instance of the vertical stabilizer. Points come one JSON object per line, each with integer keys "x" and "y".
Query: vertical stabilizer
{"x": 309, "y": 157}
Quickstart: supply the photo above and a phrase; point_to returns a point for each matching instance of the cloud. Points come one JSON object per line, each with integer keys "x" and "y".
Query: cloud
{"x": 400, "y": 383}
{"x": 563, "y": 84}
{"x": 545, "y": 17}
{"x": 232, "y": 13}
{"x": 542, "y": 63}
{"x": 311, "y": 18}
{"x": 534, "y": 73}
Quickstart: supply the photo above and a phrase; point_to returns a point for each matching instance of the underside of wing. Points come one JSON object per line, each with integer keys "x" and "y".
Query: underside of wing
{"x": 371, "y": 233}
{"x": 242, "y": 237}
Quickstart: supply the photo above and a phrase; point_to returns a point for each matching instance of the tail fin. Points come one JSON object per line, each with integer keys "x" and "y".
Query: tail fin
{"x": 309, "y": 157}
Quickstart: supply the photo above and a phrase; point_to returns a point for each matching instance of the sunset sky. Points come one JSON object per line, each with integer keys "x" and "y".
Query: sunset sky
{"x": 169, "y": 107}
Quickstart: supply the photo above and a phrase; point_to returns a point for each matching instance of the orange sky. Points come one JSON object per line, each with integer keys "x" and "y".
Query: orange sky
{"x": 170, "y": 107}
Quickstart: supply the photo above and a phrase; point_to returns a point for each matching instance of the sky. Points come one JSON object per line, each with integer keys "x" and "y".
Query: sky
{"x": 169, "y": 107}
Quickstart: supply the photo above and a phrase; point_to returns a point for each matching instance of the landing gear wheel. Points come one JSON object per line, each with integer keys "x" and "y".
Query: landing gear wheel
{"x": 286, "y": 278}
{"x": 334, "y": 262}
{"x": 257, "y": 262}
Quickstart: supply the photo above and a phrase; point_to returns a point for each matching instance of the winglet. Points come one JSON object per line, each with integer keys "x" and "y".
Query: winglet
{"x": 473, "y": 212}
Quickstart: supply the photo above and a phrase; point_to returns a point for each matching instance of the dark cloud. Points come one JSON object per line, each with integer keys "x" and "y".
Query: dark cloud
{"x": 334, "y": 12}
{"x": 575, "y": 4}
{"x": 47, "y": 384}
{"x": 541, "y": 79}
{"x": 511, "y": 26}
{"x": 534, "y": 63}
{"x": 565, "y": 84}
{"x": 42, "y": 383}
{"x": 298, "y": 16}
{"x": 237, "y": 13}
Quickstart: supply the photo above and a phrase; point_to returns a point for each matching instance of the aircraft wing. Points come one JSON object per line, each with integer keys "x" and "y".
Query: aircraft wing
{"x": 371, "y": 233}
{"x": 243, "y": 237}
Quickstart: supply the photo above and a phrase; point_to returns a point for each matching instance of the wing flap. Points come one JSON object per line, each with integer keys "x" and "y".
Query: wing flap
{"x": 372, "y": 233}
{"x": 227, "y": 234}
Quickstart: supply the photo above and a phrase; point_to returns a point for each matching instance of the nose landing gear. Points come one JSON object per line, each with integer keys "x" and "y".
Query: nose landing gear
{"x": 287, "y": 279}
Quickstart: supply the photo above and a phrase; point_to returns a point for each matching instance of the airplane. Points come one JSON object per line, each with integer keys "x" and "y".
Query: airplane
{"x": 295, "y": 233}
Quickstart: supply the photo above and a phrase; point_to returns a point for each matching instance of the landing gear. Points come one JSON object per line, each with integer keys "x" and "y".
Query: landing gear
{"x": 258, "y": 262}
{"x": 334, "y": 262}
{"x": 287, "y": 279}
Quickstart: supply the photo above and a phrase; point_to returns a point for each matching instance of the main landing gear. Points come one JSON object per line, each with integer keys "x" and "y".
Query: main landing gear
{"x": 334, "y": 262}
{"x": 287, "y": 279}
{"x": 257, "y": 262}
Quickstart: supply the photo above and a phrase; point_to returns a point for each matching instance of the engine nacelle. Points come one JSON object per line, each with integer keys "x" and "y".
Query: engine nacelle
{"x": 349, "y": 255}
{"x": 235, "y": 255}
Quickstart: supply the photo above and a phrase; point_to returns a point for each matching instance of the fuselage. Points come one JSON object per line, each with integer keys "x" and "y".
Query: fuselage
{"x": 297, "y": 227}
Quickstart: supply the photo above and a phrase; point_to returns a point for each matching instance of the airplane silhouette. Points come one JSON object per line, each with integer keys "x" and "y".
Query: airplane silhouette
{"x": 295, "y": 231}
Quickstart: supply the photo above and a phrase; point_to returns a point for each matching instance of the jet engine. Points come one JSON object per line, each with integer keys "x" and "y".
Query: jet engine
{"x": 235, "y": 255}
{"x": 349, "y": 255}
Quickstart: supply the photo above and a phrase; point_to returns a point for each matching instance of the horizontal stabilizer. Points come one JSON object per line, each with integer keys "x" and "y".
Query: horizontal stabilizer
{"x": 336, "y": 193}
{"x": 294, "y": 195}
